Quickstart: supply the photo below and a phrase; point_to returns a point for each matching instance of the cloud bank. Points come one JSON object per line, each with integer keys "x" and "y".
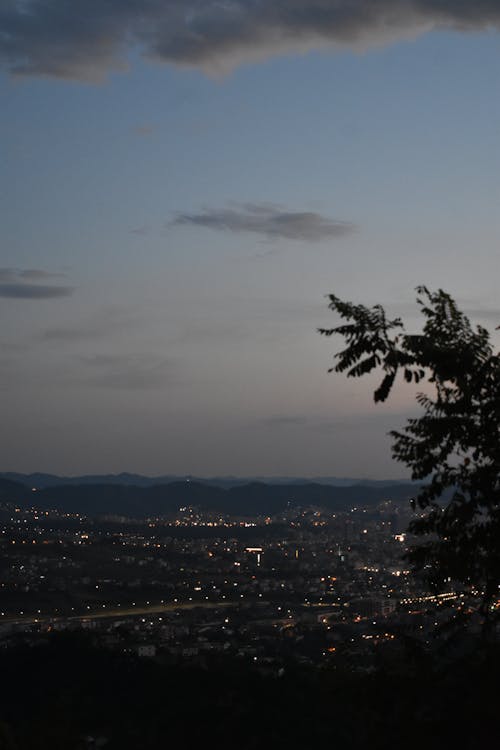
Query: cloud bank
{"x": 269, "y": 221}
{"x": 85, "y": 39}
{"x": 23, "y": 284}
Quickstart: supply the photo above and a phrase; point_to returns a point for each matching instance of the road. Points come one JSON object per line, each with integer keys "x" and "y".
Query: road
{"x": 114, "y": 613}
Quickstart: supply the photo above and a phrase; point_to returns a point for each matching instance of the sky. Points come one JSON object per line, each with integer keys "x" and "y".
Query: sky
{"x": 183, "y": 183}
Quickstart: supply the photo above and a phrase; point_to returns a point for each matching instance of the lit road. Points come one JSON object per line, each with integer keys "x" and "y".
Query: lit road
{"x": 119, "y": 612}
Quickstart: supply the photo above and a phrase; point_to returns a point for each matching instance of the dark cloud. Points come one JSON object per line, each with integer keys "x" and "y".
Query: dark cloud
{"x": 18, "y": 283}
{"x": 27, "y": 274}
{"x": 84, "y": 39}
{"x": 270, "y": 221}
{"x": 34, "y": 291}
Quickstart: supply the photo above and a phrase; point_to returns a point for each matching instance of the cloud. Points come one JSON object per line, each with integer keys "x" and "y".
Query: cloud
{"x": 129, "y": 371}
{"x": 268, "y": 220}
{"x": 34, "y": 291}
{"x": 86, "y": 39}
{"x": 103, "y": 322}
{"x": 141, "y": 231}
{"x": 36, "y": 274}
{"x": 30, "y": 274}
{"x": 18, "y": 284}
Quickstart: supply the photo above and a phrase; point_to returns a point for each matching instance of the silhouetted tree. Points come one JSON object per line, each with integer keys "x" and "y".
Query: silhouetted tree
{"x": 454, "y": 445}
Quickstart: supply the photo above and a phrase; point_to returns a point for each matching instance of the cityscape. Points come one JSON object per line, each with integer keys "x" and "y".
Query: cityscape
{"x": 249, "y": 374}
{"x": 304, "y": 586}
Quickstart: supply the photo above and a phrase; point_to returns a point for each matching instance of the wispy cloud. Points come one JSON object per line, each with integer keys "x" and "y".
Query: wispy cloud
{"x": 23, "y": 284}
{"x": 272, "y": 222}
{"x": 85, "y": 39}
{"x": 28, "y": 274}
{"x": 141, "y": 231}
{"x": 134, "y": 371}
{"x": 103, "y": 322}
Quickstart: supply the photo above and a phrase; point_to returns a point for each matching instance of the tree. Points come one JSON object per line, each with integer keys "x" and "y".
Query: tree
{"x": 453, "y": 447}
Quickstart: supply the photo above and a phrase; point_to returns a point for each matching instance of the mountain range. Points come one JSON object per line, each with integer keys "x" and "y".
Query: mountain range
{"x": 250, "y": 499}
{"x": 41, "y": 480}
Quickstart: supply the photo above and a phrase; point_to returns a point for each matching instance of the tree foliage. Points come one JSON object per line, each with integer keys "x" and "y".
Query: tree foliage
{"x": 454, "y": 446}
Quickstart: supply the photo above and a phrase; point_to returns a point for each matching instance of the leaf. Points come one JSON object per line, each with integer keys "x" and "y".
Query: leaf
{"x": 454, "y": 444}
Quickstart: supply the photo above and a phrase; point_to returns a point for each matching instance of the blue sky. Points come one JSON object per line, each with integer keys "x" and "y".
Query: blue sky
{"x": 193, "y": 223}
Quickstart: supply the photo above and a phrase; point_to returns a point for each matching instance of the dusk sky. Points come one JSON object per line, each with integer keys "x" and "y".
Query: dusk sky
{"x": 184, "y": 182}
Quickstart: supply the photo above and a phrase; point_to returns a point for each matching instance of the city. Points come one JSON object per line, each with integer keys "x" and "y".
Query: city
{"x": 249, "y": 374}
{"x": 304, "y": 586}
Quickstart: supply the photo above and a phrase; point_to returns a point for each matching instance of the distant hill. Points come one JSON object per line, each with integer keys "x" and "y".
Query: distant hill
{"x": 11, "y": 492}
{"x": 41, "y": 480}
{"x": 245, "y": 500}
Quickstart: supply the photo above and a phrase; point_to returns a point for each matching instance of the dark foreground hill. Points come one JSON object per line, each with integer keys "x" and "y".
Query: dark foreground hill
{"x": 247, "y": 500}
{"x": 60, "y": 695}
